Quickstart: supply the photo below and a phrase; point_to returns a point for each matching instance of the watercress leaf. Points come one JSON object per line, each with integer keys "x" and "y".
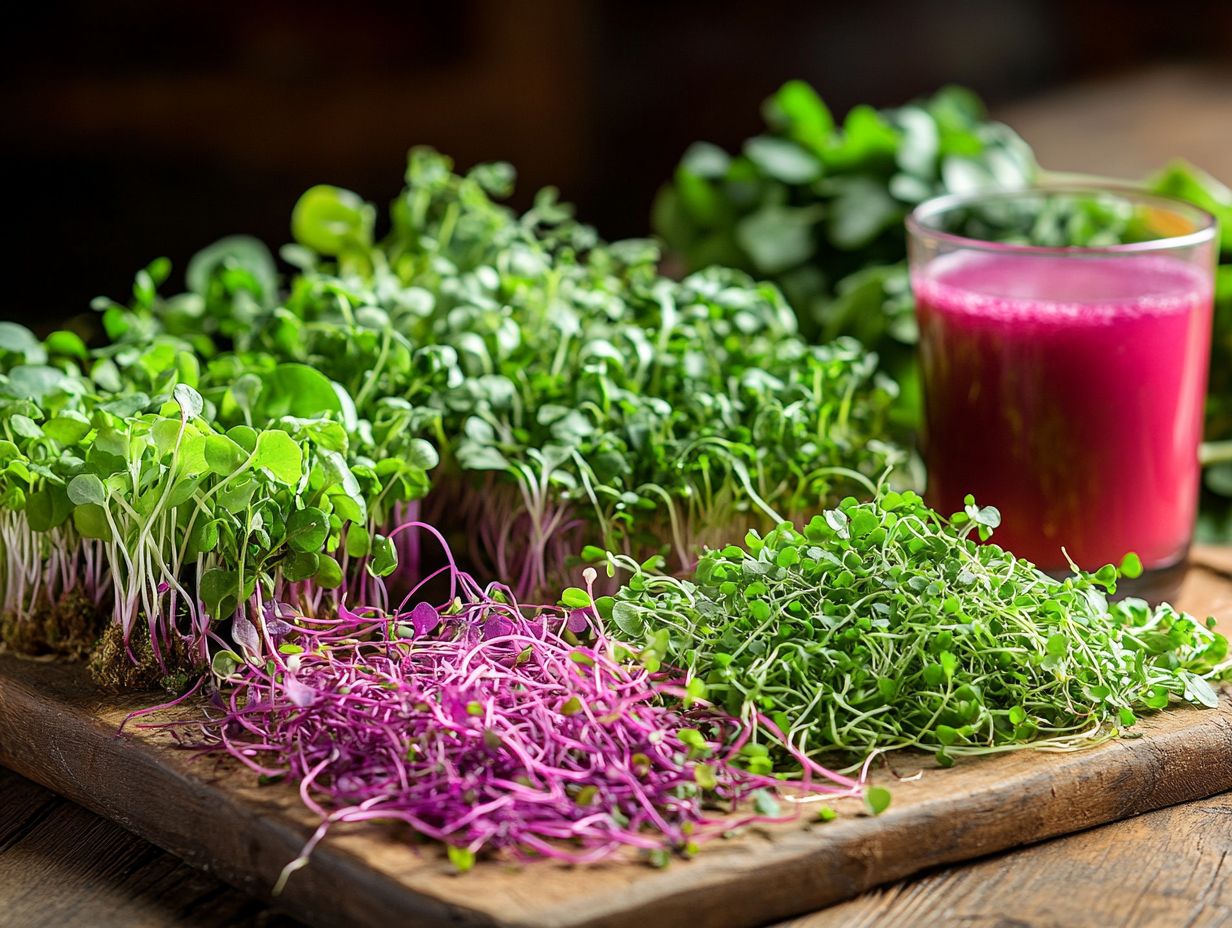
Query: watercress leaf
{"x": 25, "y": 427}
{"x": 223, "y": 456}
{"x": 301, "y": 565}
{"x": 384, "y": 559}
{"x": 575, "y": 598}
{"x": 876, "y": 799}
{"x": 330, "y": 220}
{"x": 203, "y": 537}
{"x": 628, "y": 618}
{"x": 236, "y": 495}
{"x": 278, "y": 455}
{"x": 307, "y": 529}
{"x": 358, "y": 540}
{"x": 48, "y": 507}
{"x": 798, "y": 111}
{"x": 862, "y": 209}
{"x": 293, "y": 389}
{"x": 87, "y": 488}
{"x": 90, "y": 520}
{"x": 189, "y": 401}
{"x": 329, "y": 573}
{"x": 17, "y": 339}
{"x": 1131, "y": 566}
{"x": 67, "y": 428}
{"x": 778, "y": 237}
{"x": 245, "y": 436}
{"x": 1198, "y": 690}
{"x": 422, "y": 455}
{"x": 166, "y": 434}
{"x": 235, "y": 251}
{"x": 219, "y": 591}
{"x": 35, "y": 381}
{"x": 782, "y": 159}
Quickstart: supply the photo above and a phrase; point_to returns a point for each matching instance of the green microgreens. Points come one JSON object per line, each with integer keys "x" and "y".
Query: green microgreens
{"x": 240, "y": 443}
{"x": 880, "y": 625}
{"x": 818, "y": 206}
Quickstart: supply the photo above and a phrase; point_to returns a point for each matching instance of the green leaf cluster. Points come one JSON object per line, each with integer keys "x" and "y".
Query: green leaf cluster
{"x": 1184, "y": 181}
{"x": 135, "y": 475}
{"x": 881, "y": 625}
{"x": 257, "y": 439}
{"x": 573, "y": 393}
{"x": 818, "y": 206}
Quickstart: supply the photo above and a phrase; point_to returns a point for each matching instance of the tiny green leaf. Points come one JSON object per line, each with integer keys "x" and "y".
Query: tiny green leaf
{"x": 876, "y": 799}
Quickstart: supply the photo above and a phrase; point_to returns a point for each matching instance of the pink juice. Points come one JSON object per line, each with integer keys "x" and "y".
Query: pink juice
{"x": 1068, "y": 392}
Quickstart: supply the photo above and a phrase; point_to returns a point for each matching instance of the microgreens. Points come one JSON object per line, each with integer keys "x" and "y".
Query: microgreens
{"x": 818, "y": 207}
{"x": 492, "y": 727}
{"x": 880, "y": 625}
{"x": 239, "y": 443}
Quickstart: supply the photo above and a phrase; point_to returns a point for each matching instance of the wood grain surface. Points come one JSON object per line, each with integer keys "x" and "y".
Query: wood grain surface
{"x": 56, "y": 729}
{"x": 63, "y": 867}
{"x": 1168, "y": 869}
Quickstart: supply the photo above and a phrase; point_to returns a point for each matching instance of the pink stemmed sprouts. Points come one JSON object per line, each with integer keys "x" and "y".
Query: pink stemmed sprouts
{"x": 496, "y": 728}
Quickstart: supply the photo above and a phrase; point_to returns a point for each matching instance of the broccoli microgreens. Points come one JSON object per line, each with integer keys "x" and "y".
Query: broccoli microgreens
{"x": 880, "y": 625}
{"x": 163, "y": 517}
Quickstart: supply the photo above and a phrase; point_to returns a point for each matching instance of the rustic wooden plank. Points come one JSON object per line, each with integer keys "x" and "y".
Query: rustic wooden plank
{"x": 1161, "y": 870}
{"x": 62, "y": 867}
{"x": 57, "y": 730}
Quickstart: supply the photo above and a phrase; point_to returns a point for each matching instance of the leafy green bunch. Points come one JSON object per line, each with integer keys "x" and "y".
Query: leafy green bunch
{"x": 818, "y": 207}
{"x": 1186, "y": 182}
{"x": 575, "y": 395}
{"x": 138, "y": 491}
{"x": 881, "y": 625}
{"x": 254, "y": 440}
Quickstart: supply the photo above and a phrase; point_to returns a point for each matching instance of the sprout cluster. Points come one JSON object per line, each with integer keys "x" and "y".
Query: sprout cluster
{"x": 537, "y": 391}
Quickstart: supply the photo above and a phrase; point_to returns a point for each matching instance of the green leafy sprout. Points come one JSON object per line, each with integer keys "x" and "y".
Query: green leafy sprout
{"x": 817, "y": 206}
{"x": 879, "y": 625}
{"x": 250, "y": 442}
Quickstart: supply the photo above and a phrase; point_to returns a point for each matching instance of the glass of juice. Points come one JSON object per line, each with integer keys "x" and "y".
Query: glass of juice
{"x": 1064, "y": 341}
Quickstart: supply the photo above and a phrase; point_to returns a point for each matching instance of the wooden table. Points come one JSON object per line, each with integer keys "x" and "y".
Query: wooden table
{"x": 63, "y": 867}
{"x": 1131, "y": 125}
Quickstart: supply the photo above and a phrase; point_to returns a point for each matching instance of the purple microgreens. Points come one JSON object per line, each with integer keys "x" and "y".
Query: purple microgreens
{"x": 497, "y": 729}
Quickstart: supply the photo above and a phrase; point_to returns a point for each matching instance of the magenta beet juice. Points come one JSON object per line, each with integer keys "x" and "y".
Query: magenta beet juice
{"x": 1066, "y": 388}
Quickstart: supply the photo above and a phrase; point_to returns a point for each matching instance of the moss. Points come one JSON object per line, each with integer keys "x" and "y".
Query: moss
{"x": 74, "y": 626}
{"x": 68, "y": 629}
{"x": 112, "y": 666}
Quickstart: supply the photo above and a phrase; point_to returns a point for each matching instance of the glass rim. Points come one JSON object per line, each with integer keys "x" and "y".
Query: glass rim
{"x": 1206, "y": 225}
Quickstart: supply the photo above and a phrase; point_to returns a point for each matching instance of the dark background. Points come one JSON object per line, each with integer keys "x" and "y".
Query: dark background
{"x": 135, "y": 129}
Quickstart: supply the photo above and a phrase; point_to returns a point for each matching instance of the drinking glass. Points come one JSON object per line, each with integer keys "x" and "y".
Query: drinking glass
{"x": 1064, "y": 342}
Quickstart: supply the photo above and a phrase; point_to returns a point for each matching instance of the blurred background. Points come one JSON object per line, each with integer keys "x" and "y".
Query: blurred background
{"x": 134, "y": 128}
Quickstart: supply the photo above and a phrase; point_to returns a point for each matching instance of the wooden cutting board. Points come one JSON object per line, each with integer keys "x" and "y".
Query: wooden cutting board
{"x": 55, "y": 728}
